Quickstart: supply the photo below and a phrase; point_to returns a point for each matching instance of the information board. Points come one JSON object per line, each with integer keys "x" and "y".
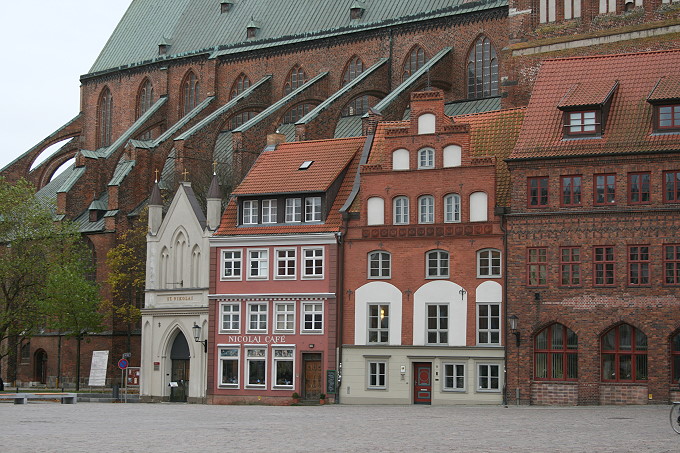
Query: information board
{"x": 98, "y": 367}
{"x": 133, "y": 374}
{"x": 331, "y": 382}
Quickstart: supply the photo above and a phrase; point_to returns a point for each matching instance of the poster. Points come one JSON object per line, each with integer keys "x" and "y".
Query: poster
{"x": 98, "y": 367}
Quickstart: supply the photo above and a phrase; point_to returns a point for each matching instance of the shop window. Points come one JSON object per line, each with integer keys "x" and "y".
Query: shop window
{"x": 229, "y": 367}
{"x": 556, "y": 354}
{"x": 284, "y": 367}
{"x": 231, "y": 317}
{"x": 256, "y": 367}
{"x": 438, "y": 324}
{"x": 379, "y": 265}
{"x": 378, "y": 323}
{"x": 624, "y": 354}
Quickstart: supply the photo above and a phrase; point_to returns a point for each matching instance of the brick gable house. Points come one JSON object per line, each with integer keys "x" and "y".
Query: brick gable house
{"x": 592, "y": 234}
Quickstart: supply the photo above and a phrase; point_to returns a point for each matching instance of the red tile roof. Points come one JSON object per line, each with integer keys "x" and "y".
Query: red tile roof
{"x": 588, "y": 93}
{"x": 331, "y": 152}
{"x": 278, "y": 171}
{"x": 668, "y": 87}
{"x": 629, "y": 126}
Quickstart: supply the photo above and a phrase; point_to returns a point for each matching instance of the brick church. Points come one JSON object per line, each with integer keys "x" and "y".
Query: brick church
{"x": 201, "y": 86}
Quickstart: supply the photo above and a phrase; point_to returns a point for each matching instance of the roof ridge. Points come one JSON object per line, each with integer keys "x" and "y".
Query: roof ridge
{"x": 323, "y": 140}
{"x": 613, "y": 55}
{"x": 490, "y": 112}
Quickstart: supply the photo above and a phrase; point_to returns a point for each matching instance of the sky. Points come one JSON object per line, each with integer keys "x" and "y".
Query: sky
{"x": 48, "y": 45}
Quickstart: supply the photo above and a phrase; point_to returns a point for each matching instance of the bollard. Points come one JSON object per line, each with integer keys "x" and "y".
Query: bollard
{"x": 116, "y": 389}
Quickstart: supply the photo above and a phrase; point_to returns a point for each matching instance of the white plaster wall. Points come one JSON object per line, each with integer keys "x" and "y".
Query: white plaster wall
{"x": 440, "y": 292}
{"x": 400, "y": 159}
{"x": 373, "y": 293}
{"x": 452, "y": 156}
{"x": 426, "y": 123}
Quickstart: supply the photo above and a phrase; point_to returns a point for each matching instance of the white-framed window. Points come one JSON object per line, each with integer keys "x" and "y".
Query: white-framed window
{"x": 231, "y": 264}
{"x": 312, "y": 263}
{"x": 375, "y": 207}
{"x": 454, "y": 377}
{"x": 425, "y": 158}
{"x": 488, "y": 324}
{"x": 257, "y": 317}
{"x": 426, "y": 209}
{"x": 437, "y": 324}
{"x": 269, "y": 211}
{"x": 401, "y": 210}
{"x": 377, "y": 374}
{"x": 229, "y": 366}
{"x": 312, "y": 317}
{"x": 284, "y": 367}
{"x": 452, "y": 208}
{"x": 313, "y": 209}
{"x": 378, "y": 323}
{"x": 293, "y": 210}
{"x": 488, "y": 377}
{"x": 427, "y": 123}
{"x": 379, "y": 264}
{"x": 489, "y": 263}
{"x": 231, "y": 317}
{"x": 256, "y": 367}
{"x": 286, "y": 263}
{"x": 258, "y": 264}
{"x": 400, "y": 159}
{"x": 250, "y": 212}
{"x": 285, "y": 316}
{"x": 437, "y": 264}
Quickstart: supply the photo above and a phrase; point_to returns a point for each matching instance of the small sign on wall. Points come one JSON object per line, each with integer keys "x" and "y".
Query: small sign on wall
{"x": 331, "y": 382}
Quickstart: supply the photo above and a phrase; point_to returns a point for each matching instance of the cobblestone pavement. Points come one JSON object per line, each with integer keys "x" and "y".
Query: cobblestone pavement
{"x": 166, "y": 427}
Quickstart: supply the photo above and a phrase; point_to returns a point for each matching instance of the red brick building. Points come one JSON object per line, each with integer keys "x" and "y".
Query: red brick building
{"x": 274, "y": 275}
{"x": 423, "y": 282}
{"x": 592, "y": 235}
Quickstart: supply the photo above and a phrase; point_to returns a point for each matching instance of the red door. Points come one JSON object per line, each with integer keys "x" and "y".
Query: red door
{"x": 422, "y": 378}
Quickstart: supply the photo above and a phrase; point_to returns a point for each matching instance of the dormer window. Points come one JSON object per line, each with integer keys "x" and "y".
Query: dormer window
{"x": 250, "y": 212}
{"x": 668, "y": 117}
{"x": 585, "y": 109}
{"x": 581, "y": 123}
{"x": 665, "y": 100}
{"x": 252, "y": 28}
{"x": 225, "y": 6}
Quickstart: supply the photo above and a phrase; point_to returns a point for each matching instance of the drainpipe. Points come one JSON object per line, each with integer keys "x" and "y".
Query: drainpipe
{"x": 340, "y": 284}
{"x": 505, "y": 310}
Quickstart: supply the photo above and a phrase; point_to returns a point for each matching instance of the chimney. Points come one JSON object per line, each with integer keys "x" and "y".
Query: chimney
{"x": 214, "y": 199}
{"x": 275, "y": 139}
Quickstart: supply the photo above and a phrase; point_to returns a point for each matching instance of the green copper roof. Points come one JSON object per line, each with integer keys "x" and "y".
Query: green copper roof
{"x": 198, "y": 26}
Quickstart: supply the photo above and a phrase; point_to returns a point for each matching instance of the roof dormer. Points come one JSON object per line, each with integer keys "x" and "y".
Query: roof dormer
{"x": 225, "y": 6}
{"x": 585, "y": 108}
{"x": 356, "y": 10}
{"x": 665, "y": 100}
{"x": 252, "y": 28}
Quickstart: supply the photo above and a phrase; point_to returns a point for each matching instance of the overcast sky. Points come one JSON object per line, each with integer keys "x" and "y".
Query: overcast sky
{"x": 47, "y": 46}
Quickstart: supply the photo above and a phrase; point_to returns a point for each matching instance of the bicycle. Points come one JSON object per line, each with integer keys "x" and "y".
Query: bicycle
{"x": 675, "y": 416}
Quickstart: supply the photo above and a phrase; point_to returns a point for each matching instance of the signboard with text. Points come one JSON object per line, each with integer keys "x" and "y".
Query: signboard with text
{"x": 98, "y": 367}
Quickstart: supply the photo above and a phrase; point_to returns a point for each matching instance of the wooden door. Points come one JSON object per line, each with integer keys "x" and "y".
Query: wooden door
{"x": 312, "y": 388}
{"x": 422, "y": 380}
{"x": 180, "y": 375}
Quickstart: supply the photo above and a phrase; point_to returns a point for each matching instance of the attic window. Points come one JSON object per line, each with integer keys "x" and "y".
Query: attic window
{"x": 252, "y": 28}
{"x": 668, "y": 117}
{"x": 665, "y": 99}
{"x": 306, "y": 164}
{"x": 225, "y": 6}
{"x": 585, "y": 108}
{"x": 356, "y": 10}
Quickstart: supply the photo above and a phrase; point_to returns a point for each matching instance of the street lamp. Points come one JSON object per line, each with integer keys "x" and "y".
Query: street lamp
{"x": 197, "y": 337}
{"x": 512, "y": 319}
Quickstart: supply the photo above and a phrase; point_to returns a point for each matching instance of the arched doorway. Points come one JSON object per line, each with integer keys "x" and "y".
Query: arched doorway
{"x": 179, "y": 377}
{"x": 40, "y": 366}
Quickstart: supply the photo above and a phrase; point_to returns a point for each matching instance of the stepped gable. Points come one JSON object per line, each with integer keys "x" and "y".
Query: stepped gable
{"x": 633, "y": 81}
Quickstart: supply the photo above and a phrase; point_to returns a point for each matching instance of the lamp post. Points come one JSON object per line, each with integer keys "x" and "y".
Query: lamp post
{"x": 197, "y": 337}
{"x": 512, "y": 319}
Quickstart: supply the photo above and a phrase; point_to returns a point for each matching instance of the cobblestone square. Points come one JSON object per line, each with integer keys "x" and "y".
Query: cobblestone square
{"x": 88, "y": 427}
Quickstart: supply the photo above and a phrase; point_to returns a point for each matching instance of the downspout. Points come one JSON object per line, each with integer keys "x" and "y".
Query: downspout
{"x": 505, "y": 310}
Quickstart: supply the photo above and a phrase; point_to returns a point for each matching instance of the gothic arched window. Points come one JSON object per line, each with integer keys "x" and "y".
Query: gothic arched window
{"x": 482, "y": 70}
{"x": 104, "y": 114}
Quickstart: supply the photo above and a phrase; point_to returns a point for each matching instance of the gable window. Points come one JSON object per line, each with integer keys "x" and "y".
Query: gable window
{"x": 603, "y": 266}
{"x": 250, "y": 212}
{"x": 257, "y": 317}
{"x": 438, "y": 324}
{"x": 283, "y": 367}
{"x": 241, "y": 84}
{"x": 231, "y": 317}
{"x": 452, "y": 208}
{"x": 414, "y": 61}
{"x": 479, "y": 207}
{"x": 400, "y": 159}
{"x": 427, "y": 123}
{"x": 313, "y": 209}
{"x": 671, "y": 186}
{"x": 379, "y": 265}
{"x": 285, "y": 263}
{"x": 624, "y": 354}
{"x": 376, "y": 211}
{"x": 638, "y": 188}
{"x": 570, "y": 266}
{"x": 284, "y": 316}
{"x": 426, "y": 209}
{"x": 312, "y": 266}
{"x": 668, "y": 117}
{"x": 671, "y": 264}
{"x": 482, "y": 70}
{"x": 556, "y": 354}
{"x": 104, "y": 115}
{"x": 378, "y": 323}
{"x": 426, "y": 158}
{"x": 296, "y": 78}
{"x": 488, "y": 324}
{"x": 401, "y": 211}
{"x": 605, "y": 189}
{"x": 229, "y": 369}
{"x": 571, "y": 190}
{"x": 638, "y": 265}
{"x": 269, "y": 211}
{"x": 293, "y": 210}
{"x": 537, "y": 191}
{"x": 258, "y": 264}
{"x": 312, "y": 313}
{"x": 537, "y": 266}
{"x": 489, "y": 263}
{"x": 231, "y": 264}
{"x": 437, "y": 264}
{"x": 190, "y": 93}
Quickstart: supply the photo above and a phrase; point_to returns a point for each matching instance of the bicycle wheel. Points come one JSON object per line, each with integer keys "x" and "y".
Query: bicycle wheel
{"x": 675, "y": 417}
